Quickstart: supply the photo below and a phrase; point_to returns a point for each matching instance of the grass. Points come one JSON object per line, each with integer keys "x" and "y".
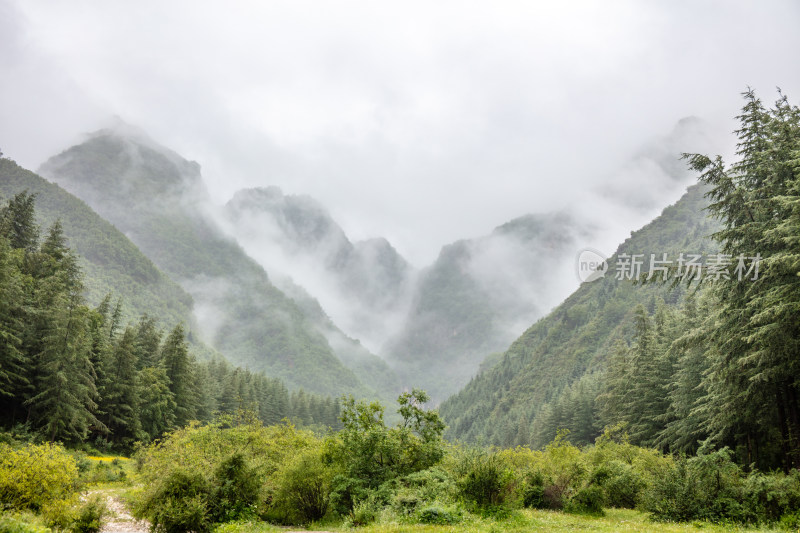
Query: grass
{"x": 615, "y": 520}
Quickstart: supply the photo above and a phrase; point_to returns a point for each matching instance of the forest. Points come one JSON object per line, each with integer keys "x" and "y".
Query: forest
{"x": 680, "y": 407}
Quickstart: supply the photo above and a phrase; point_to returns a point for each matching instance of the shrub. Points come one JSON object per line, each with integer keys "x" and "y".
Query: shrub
{"x": 179, "y": 503}
{"x": 60, "y": 514}
{"x": 438, "y": 515}
{"x": 410, "y": 493}
{"x": 588, "y": 500}
{"x": 35, "y": 476}
{"x": 791, "y": 521}
{"x": 533, "y": 495}
{"x": 705, "y": 487}
{"x": 345, "y": 493}
{"x": 483, "y": 478}
{"x": 90, "y": 516}
{"x": 237, "y": 488}
{"x": 364, "y": 512}
{"x": 772, "y": 496}
{"x": 303, "y": 488}
{"x": 620, "y": 483}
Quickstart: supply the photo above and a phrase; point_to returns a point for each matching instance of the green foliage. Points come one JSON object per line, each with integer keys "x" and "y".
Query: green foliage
{"x": 588, "y": 500}
{"x": 178, "y": 503}
{"x": 367, "y": 450}
{"x": 771, "y": 497}
{"x": 364, "y": 512}
{"x": 103, "y": 472}
{"x": 533, "y": 492}
{"x": 90, "y": 516}
{"x": 438, "y": 515}
{"x": 483, "y": 478}
{"x": 35, "y": 476}
{"x": 17, "y": 524}
{"x": 112, "y": 263}
{"x": 303, "y": 488}
{"x": 425, "y": 488}
{"x": 620, "y": 482}
{"x": 236, "y": 490}
{"x": 346, "y": 492}
{"x": 706, "y": 487}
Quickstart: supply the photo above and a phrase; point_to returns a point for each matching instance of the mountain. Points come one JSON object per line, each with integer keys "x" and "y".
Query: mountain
{"x": 479, "y": 295}
{"x": 575, "y": 339}
{"x": 364, "y": 286}
{"x": 111, "y": 262}
{"x": 158, "y": 199}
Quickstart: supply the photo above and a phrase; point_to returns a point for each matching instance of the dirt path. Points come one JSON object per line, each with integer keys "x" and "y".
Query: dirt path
{"x": 119, "y": 519}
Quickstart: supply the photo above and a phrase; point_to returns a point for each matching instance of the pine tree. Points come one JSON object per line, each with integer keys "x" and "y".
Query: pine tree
{"x": 63, "y": 402}
{"x": 755, "y": 340}
{"x": 12, "y": 368}
{"x": 157, "y": 403}
{"x": 176, "y": 363}
{"x": 18, "y": 222}
{"x": 686, "y": 418}
{"x": 120, "y": 400}
{"x": 148, "y": 341}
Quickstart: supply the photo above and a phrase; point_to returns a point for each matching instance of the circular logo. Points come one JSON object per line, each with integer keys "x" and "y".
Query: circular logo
{"x": 590, "y": 265}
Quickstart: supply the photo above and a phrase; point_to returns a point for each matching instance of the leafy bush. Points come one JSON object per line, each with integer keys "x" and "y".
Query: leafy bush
{"x": 588, "y": 500}
{"x": 34, "y": 476}
{"x": 368, "y": 450}
{"x": 345, "y": 493}
{"x": 364, "y": 512}
{"x": 410, "y": 493}
{"x": 483, "y": 478}
{"x": 179, "y": 503}
{"x": 620, "y": 483}
{"x": 236, "y": 492}
{"x": 90, "y": 516}
{"x": 303, "y": 488}
{"x": 438, "y": 515}
{"x": 770, "y": 497}
{"x": 533, "y": 495}
{"x": 791, "y": 521}
{"x": 241, "y": 457}
{"x": 705, "y": 487}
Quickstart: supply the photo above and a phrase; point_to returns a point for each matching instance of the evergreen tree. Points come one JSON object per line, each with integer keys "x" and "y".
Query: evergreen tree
{"x": 148, "y": 341}
{"x": 12, "y": 368}
{"x": 18, "y": 222}
{"x": 177, "y": 365}
{"x": 120, "y": 400}
{"x": 686, "y": 418}
{"x": 157, "y": 403}
{"x": 754, "y": 333}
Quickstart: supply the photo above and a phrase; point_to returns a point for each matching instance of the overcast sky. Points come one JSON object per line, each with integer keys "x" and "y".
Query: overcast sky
{"x": 423, "y": 122}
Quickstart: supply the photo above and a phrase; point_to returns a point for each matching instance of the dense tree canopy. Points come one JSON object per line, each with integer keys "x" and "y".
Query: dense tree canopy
{"x": 72, "y": 372}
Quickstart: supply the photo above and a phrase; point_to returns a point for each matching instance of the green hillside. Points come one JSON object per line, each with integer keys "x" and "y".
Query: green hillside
{"x": 111, "y": 262}
{"x": 476, "y": 298}
{"x": 157, "y": 198}
{"x": 500, "y": 406}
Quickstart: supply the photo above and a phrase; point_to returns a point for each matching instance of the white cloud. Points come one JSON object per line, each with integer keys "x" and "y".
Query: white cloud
{"x": 420, "y": 121}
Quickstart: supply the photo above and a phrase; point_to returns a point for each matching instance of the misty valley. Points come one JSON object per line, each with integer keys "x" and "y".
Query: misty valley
{"x": 172, "y": 363}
